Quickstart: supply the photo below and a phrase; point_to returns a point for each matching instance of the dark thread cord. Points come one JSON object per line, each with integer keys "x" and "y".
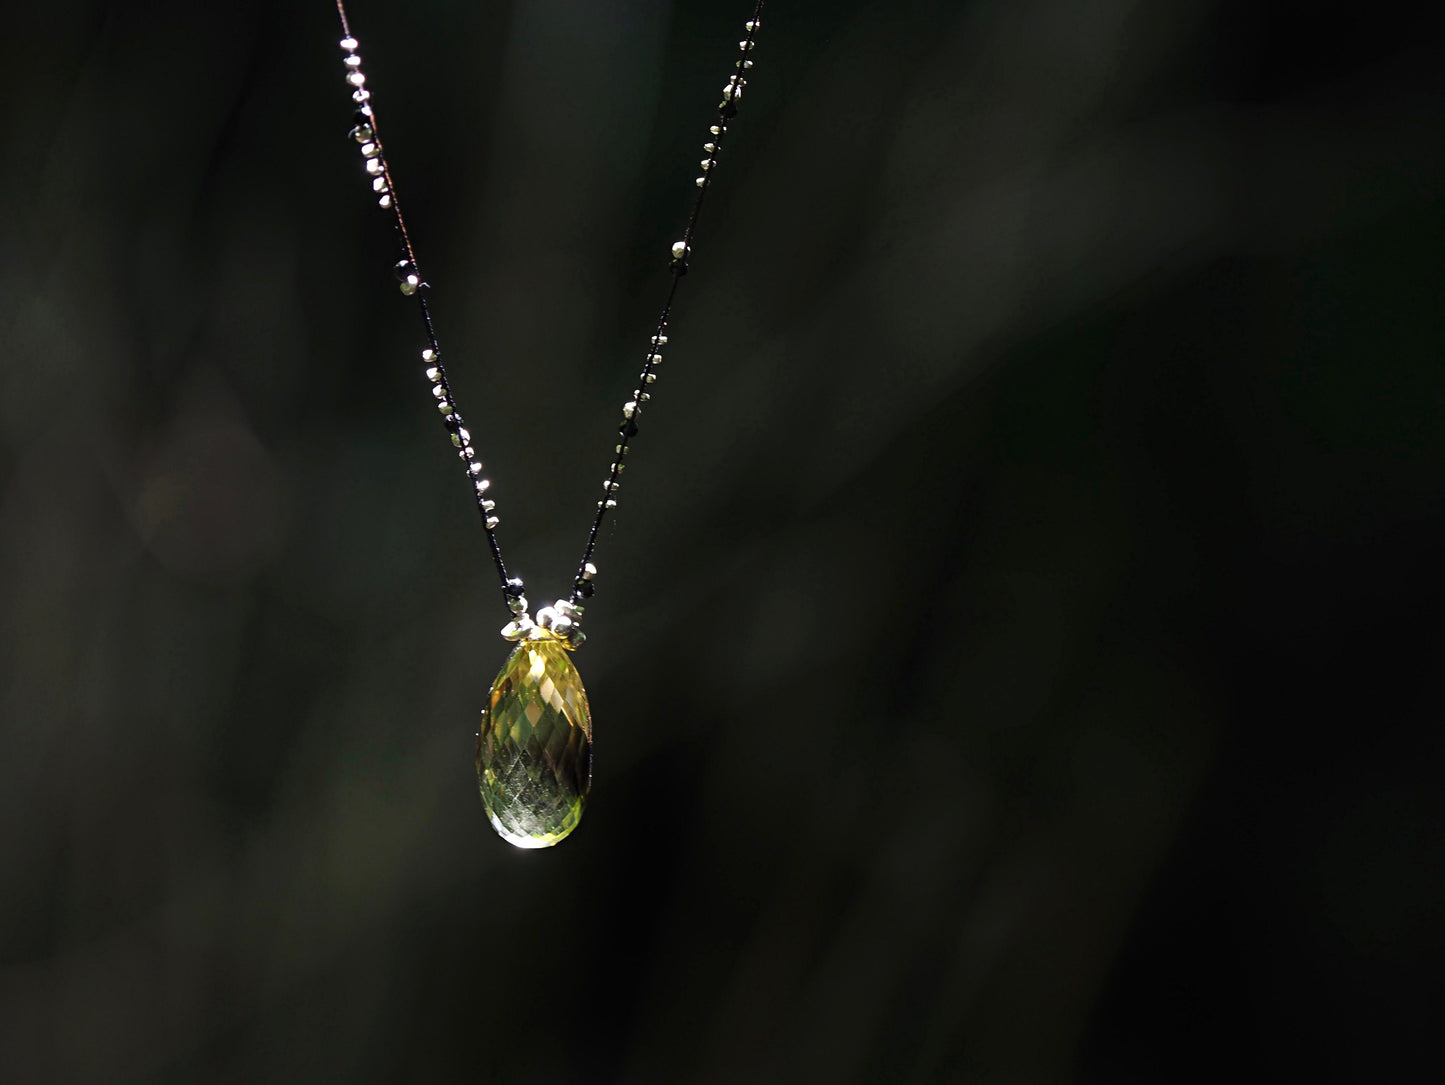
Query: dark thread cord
{"x": 726, "y": 111}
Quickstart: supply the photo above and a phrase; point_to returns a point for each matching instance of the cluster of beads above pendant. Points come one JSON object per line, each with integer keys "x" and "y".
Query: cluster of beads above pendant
{"x": 562, "y": 621}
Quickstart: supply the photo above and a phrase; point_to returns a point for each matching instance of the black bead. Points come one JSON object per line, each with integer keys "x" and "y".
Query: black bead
{"x": 585, "y": 588}
{"x": 402, "y": 269}
{"x": 514, "y": 588}
{"x": 729, "y": 110}
{"x": 453, "y": 421}
{"x": 628, "y": 428}
{"x": 679, "y": 267}
{"x": 362, "y": 116}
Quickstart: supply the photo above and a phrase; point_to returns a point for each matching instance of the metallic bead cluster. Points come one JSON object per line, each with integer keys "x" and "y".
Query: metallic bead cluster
{"x": 364, "y": 130}
{"x": 562, "y": 621}
{"x": 462, "y": 441}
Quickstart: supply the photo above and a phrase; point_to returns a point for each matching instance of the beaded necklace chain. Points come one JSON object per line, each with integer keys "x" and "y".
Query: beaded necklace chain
{"x": 534, "y": 745}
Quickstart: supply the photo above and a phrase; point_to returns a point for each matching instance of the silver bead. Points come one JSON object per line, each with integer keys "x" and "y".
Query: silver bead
{"x": 428, "y": 355}
{"x": 707, "y": 163}
{"x": 519, "y": 629}
{"x": 654, "y": 359}
{"x": 629, "y": 408}
{"x": 433, "y": 374}
{"x": 701, "y": 181}
{"x": 349, "y": 43}
{"x": 378, "y": 185}
{"x": 659, "y": 340}
{"x": 679, "y": 249}
{"x": 356, "y": 79}
{"x": 745, "y": 45}
{"x": 648, "y": 378}
{"x": 482, "y": 484}
{"x": 546, "y": 616}
{"x": 493, "y": 521}
{"x": 468, "y": 453}
{"x": 462, "y": 435}
{"x": 608, "y": 504}
{"x": 385, "y": 202}
{"x": 488, "y": 505}
{"x": 373, "y": 165}
{"x": 569, "y": 610}
{"x": 446, "y": 408}
{"x": 438, "y": 391}
{"x": 753, "y": 24}
{"x": 710, "y": 148}
{"x": 370, "y": 150}
{"x": 359, "y": 96}
{"x": 518, "y": 605}
{"x": 644, "y": 397}
{"x": 353, "y": 61}
{"x": 589, "y": 571}
{"x": 715, "y": 130}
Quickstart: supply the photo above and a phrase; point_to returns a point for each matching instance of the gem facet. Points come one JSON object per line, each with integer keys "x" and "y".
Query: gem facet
{"x": 534, "y": 749}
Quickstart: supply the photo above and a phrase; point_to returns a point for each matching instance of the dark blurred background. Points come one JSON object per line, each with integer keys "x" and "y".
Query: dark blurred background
{"x": 1017, "y": 653}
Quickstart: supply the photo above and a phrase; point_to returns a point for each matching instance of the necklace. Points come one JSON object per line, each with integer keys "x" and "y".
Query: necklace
{"x": 534, "y": 745}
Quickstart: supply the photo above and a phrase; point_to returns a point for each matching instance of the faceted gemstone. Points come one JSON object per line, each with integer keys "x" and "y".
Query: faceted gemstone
{"x": 534, "y": 749}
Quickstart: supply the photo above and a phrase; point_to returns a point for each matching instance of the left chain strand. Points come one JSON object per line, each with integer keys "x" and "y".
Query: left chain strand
{"x": 366, "y": 132}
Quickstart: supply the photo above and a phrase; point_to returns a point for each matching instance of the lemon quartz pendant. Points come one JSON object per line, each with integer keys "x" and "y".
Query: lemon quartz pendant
{"x": 534, "y": 749}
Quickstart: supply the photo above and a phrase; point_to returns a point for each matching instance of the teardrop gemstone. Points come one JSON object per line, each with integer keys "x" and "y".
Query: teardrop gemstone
{"x": 534, "y": 749}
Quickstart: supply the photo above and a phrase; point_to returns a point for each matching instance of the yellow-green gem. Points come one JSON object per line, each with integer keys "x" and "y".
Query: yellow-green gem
{"x": 534, "y": 749}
